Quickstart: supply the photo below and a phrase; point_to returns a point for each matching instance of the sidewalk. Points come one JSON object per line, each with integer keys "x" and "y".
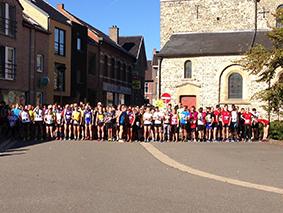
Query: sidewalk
{"x": 274, "y": 142}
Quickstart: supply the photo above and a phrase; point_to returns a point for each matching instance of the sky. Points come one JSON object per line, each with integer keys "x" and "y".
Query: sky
{"x": 133, "y": 17}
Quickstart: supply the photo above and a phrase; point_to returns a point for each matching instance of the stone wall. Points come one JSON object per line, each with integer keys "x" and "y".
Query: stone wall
{"x": 213, "y": 16}
{"x": 210, "y": 74}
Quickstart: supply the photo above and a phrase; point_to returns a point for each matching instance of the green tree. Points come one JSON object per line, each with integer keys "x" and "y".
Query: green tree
{"x": 265, "y": 62}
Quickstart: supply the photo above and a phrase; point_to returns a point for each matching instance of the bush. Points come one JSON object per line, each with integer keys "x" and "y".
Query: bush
{"x": 276, "y": 130}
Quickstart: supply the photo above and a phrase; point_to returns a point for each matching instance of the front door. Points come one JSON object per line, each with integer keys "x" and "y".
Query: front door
{"x": 188, "y": 100}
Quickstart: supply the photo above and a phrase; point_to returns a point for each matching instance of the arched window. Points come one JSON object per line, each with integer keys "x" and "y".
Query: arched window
{"x": 279, "y": 23}
{"x": 188, "y": 69}
{"x": 235, "y": 86}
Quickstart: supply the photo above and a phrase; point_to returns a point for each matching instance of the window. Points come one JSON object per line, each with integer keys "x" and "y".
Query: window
{"x": 2, "y": 61}
{"x": 129, "y": 75}
{"x": 112, "y": 70}
{"x": 123, "y": 73}
{"x": 188, "y": 69}
{"x": 8, "y": 23}
{"x": 59, "y": 42}
{"x": 279, "y": 23}
{"x": 146, "y": 87}
{"x": 109, "y": 98}
{"x": 39, "y": 98}
{"x": 92, "y": 64}
{"x": 7, "y": 63}
{"x": 59, "y": 77}
{"x": 39, "y": 63}
{"x": 79, "y": 44}
{"x": 118, "y": 72}
{"x": 121, "y": 99}
{"x": 235, "y": 86}
{"x": 105, "y": 67}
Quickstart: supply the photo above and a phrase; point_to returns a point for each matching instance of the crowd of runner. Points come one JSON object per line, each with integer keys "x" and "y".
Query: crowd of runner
{"x": 127, "y": 124}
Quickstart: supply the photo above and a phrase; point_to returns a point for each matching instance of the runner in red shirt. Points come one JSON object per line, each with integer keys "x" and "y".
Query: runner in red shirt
{"x": 226, "y": 121}
{"x": 216, "y": 123}
{"x": 265, "y": 124}
{"x": 193, "y": 123}
{"x": 247, "y": 117}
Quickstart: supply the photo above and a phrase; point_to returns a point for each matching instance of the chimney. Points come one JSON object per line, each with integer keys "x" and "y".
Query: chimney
{"x": 60, "y": 7}
{"x": 114, "y": 33}
{"x": 154, "y": 51}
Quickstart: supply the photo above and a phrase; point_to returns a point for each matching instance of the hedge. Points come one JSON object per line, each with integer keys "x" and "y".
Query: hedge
{"x": 276, "y": 130}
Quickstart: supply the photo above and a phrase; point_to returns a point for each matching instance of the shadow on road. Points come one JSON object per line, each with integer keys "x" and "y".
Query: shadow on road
{"x": 9, "y": 146}
{"x": 13, "y": 154}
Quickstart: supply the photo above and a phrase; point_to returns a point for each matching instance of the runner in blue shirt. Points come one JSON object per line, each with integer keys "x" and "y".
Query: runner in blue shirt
{"x": 184, "y": 120}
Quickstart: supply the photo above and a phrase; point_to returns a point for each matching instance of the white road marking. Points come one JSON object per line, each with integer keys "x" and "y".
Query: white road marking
{"x": 172, "y": 163}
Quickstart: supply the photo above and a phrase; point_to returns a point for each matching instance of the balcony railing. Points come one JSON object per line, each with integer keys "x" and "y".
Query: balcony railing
{"x": 8, "y": 71}
{"x": 8, "y": 27}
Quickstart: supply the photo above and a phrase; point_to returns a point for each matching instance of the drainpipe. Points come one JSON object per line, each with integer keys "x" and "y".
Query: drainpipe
{"x": 30, "y": 74}
{"x": 255, "y": 24}
{"x": 159, "y": 77}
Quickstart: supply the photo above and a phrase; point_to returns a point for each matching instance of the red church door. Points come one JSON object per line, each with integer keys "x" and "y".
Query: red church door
{"x": 188, "y": 101}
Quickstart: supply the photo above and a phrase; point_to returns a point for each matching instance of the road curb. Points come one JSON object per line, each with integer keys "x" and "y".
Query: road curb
{"x": 165, "y": 159}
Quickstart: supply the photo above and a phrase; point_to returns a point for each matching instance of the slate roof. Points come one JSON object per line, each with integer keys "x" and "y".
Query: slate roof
{"x": 132, "y": 44}
{"x": 212, "y": 44}
{"x": 51, "y": 11}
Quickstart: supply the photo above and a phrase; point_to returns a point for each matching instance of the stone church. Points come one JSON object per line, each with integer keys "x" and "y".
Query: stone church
{"x": 201, "y": 44}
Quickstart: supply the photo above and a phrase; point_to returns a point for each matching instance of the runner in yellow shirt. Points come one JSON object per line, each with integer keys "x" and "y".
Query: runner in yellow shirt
{"x": 76, "y": 117}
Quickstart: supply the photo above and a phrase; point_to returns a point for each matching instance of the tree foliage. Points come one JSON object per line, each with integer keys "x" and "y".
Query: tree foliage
{"x": 265, "y": 62}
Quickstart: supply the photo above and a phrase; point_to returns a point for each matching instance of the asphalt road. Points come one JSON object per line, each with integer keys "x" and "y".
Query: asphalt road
{"x": 84, "y": 177}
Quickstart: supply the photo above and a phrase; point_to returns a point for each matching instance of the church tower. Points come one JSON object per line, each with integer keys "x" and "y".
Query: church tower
{"x": 177, "y": 16}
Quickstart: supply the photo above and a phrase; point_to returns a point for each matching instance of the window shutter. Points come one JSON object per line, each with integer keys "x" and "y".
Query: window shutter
{"x": 2, "y": 17}
{"x": 12, "y": 20}
{"x": 2, "y": 9}
{"x": 2, "y": 61}
{"x": 12, "y": 13}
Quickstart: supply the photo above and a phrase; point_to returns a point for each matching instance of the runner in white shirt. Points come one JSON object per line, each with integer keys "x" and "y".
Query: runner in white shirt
{"x": 158, "y": 118}
{"x": 59, "y": 123}
{"x": 38, "y": 122}
{"x": 147, "y": 119}
{"x": 234, "y": 123}
{"x": 25, "y": 121}
{"x": 49, "y": 120}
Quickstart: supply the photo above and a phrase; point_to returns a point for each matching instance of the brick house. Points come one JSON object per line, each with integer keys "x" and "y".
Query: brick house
{"x": 151, "y": 80}
{"x": 23, "y": 56}
{"x": 136, "y": 46}
{"x": 109, "y": 66}
{"x": 37, "y": 52}
{"x": 59, "y": 55}
{"x": 13, "y": 59}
